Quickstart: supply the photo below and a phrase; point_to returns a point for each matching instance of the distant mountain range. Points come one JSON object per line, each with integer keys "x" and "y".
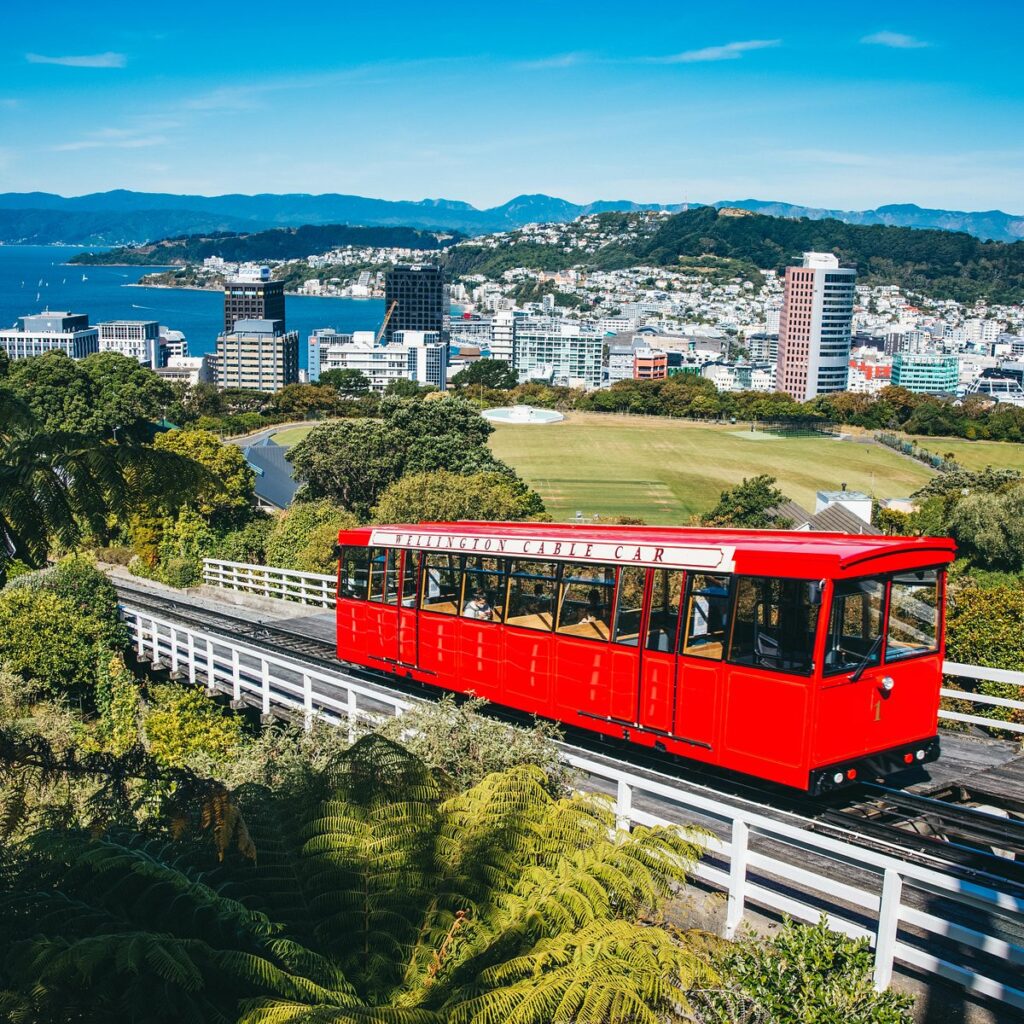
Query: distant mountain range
{"x": 122, "y": 217}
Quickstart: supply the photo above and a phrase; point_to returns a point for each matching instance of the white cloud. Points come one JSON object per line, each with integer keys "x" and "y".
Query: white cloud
{"x": 727, "y": 51}
{"x": 111, "y": 138}
{"x": 895, "y": 40}
{"x": 558, "y": 60}
{"x": 89, "y": 60}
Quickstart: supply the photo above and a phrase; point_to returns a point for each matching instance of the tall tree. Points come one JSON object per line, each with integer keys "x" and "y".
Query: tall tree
{"x": 443, "y": 495}
{"x": 350, "y": 383}
{"x": 487, "y": 373}
{"x": 57, "y": 485}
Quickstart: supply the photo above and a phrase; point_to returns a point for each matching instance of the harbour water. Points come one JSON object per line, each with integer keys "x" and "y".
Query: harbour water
{"x": 37, "y": 277}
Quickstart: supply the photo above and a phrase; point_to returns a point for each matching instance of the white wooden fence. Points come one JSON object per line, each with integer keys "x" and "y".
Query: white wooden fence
{"x": 910, "y": 914}
{"x": 319, "y": 589}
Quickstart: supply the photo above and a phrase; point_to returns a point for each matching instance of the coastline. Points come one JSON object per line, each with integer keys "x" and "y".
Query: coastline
{"x": 298, "y": 295}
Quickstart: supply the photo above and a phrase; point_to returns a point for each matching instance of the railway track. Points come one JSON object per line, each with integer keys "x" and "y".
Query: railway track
{"x": 981, "y": 845}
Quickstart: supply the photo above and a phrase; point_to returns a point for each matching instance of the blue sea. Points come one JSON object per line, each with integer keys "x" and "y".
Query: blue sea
{"x": 35, "y": 277}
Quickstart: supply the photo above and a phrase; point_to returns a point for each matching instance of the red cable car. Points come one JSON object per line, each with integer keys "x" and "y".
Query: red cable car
{"x": 805, "y": 659}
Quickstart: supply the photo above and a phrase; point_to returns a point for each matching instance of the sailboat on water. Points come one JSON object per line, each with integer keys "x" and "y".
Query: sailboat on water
{"x": 84, "y": 278}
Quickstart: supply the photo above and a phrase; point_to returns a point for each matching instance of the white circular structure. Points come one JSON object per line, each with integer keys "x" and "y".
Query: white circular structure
{"x": 522, "y": 414}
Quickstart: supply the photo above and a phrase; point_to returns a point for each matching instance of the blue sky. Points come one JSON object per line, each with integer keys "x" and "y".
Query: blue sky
{"x": 840, "y": 105}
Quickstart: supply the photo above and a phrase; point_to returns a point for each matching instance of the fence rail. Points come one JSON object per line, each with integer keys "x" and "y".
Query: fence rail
{"x": 284, "y": 584}
{"x": 910, "y": 914}
{"x": 319, "y": 589}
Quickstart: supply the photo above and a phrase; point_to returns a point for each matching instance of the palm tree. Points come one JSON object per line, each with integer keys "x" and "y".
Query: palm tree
{"x": 368, "y": 896}
{"x": 55, "y": 486}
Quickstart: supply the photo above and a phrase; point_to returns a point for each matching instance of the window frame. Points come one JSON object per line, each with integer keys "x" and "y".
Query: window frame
{"x": 502, "y": 571}
{"x": 556, "y": 577}
{"x": 614, "y": 627}
{"x": 365, "y": 552}
{"x": 684, "y": 626}
{"x": 940, "y": 587}
{"x": 737, "y": 580}
{"x": 425, "y": 568}
{"x": 566, "y": 569}
{"x": 833, "y": 673}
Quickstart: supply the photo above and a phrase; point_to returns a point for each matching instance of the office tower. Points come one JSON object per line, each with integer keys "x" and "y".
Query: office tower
{"x": 926, "y": 373}
{"x": 417, "y": 292}
{"x": 815, "y": 326}
{"x": 251, "y": 295}
{"x": 258, "y": 355}
{"x": 51, "y": 332}
{"x": 137, "y": 339}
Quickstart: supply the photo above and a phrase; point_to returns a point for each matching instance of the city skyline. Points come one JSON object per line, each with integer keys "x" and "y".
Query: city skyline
{"x": 845, "y": 109}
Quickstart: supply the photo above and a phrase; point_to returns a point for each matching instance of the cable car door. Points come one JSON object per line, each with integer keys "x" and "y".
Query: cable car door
{"x": 408, "y": 620}
{"x": 382, "y": 609}
{"x": 658, "y": 657}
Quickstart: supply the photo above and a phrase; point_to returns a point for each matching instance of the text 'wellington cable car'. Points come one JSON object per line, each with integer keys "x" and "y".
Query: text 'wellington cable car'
{"x": 811, "y": 660}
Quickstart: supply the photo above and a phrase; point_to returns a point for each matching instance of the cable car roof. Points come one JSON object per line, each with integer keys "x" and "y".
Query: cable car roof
{"x": 788, "y": 553}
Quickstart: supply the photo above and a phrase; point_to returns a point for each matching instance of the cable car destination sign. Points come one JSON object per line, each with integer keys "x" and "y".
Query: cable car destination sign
{"x": 712, "y": 557}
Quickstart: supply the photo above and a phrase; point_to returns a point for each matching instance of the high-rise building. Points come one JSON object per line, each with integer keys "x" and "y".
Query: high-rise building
{"x": 815, "y": 327}
{"x": 253, "y": 296}
{"x": 258, "y": 355}
{"x": 137, "y": 339}
{"x": 51, "y": 332}
{"x": 418, "y": 293}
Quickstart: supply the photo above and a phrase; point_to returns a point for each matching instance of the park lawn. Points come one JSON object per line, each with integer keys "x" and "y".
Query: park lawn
{"x": 665, "y": 470}
{"x": 293, "y": 435}
{"x": 975, "y": 455}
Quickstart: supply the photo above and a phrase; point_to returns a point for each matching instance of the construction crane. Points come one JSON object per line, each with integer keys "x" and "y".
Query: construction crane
{"x": 384, "y": 326}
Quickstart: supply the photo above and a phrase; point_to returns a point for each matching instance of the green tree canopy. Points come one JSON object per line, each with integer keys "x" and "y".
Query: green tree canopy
{"x": 350, "y": 383}
{"x": 350, "y": 462}
{"x": 304, "y": 537}
{"x": 495, "y": 374}
{"x": 442, "y": 495}
{"x": 749, "y": 505}
{"x": 128, "y": 397}
{"x": 303, "y": 399}
{"x": 229, "y": 497}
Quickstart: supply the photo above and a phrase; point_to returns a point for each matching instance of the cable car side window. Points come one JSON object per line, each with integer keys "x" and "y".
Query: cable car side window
{"x": 532, "y": 595}
{"x": 483, "y": 595}
{"x": 384, "y": 575}
{"x": 629, "y": 605}
{"x": 774, "y": 623}
{"x": 411, "y": 578}
{"x": 913, "y": 615}
{"x": 585, "y": 602}
{"x": 665, "y": 599}
{"x": 707, "y": 616}
{"x": 855, "y": 626}
{"x": 355, "y": 572}
{"x": 442, "y": 584}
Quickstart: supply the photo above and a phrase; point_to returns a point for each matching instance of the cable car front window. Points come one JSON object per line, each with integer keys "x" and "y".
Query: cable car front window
{"x": 855, "y": 626}
{"x": 913, "y": 615}
{"x": 355, "y": 571}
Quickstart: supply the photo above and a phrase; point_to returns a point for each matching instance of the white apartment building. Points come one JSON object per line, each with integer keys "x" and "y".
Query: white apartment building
{"x": 413, "y": 355}
{"x": 565, "y": 352}
{"x": 136, "y": 339}
{"x": 51, "y": 332}
{"x": 503, "y": 334}
{"x": 187, "y": 370}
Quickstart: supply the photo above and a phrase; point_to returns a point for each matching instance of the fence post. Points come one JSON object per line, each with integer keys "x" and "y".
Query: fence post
{"x": 140, "y": 644}
{"x": 307, "y": 701}
{"x": 156, "y": 645}
{"x": 888, "y": 922}
{"x": 211, "y": 679}
{"x": 623, "y": 804}
{"x": 353, "y": 715}
{"x": 265, "y": 676}
{"x": 191, "y": 648}
{"x": 236, "y": 678}
{"x": 174, "y": 651}
{"x": 737, "y": 876}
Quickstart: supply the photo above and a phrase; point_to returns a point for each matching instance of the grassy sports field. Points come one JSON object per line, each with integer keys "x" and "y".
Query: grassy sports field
{"x": 665, "y": 470}
{"x": 975, "y": 455}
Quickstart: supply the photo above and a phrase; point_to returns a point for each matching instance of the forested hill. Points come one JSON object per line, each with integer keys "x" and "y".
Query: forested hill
{"x": 276, "y": 244}
{"x": 942, "y": 264}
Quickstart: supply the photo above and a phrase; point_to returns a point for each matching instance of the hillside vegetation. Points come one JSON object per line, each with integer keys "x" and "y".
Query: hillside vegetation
{"x": 942, "y": 264}
{"x": 276, "y": 244}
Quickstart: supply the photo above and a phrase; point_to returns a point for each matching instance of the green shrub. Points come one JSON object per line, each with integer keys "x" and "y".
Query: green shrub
{"x": 183, "y": 723}
{"x": 77, "y": 580}
{"x": 304, "y": 537}
{"x": 48, "y": 641}
{"x": 808, "y": 975}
